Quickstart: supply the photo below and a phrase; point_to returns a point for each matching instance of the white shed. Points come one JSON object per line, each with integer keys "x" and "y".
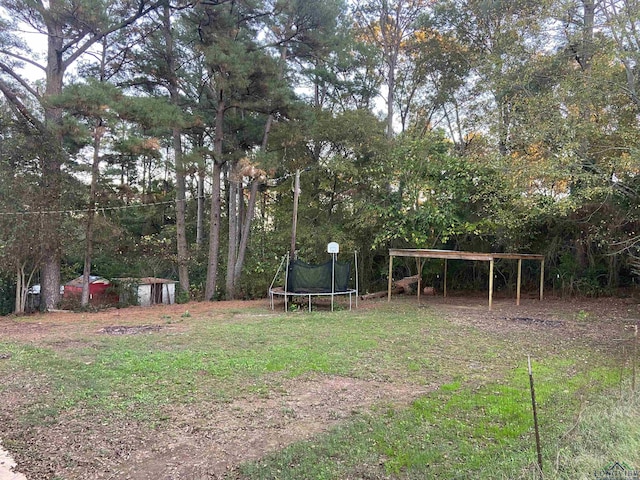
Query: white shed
{"x": 148, "y": 290}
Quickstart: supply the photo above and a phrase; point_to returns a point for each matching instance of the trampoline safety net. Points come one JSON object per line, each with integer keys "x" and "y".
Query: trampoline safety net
{"x": 307, "y": 278}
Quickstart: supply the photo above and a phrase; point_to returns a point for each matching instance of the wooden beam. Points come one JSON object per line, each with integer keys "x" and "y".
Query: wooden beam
{"x": 517, "y": 256}
{"x": 428, "y": 253}
{"x": 458, "y": 255}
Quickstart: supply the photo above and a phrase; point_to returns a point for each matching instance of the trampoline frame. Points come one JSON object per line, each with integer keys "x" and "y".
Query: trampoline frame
{"x": 282, "y": 291}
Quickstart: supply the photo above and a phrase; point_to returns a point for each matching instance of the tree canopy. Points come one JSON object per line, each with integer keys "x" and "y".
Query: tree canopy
{"x": 162, "y": 138}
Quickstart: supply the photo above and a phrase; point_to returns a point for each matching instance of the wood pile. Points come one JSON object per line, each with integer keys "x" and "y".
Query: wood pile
{"x": 406, "y": 285}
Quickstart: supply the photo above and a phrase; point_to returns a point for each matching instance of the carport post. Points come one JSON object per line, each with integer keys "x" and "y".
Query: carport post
{"x": 541, "y": 279}
{"x": 519, "y": 282}
{"x": 491, "y": 262}
{"x": 390, "y": 278}
{"x": 445, "y": 278}
{"x": 419, "y": 262}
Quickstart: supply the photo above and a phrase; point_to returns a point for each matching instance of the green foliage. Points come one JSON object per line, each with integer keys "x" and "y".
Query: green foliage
{"x": 434, "y": 197}
{"x": 7, "y": 295}
{"x": 182, "y": 296}
{"x": 506, "y": 143}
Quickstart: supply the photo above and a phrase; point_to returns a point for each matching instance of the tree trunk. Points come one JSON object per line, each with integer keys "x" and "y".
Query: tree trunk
{"x": 19, "y": 305}
{"x": 181, "y": 208}
{"x": 51, "y": 168}
{"x": 234, "y": 187}
{"x": 200, "y": 215}
{"x": 181, "y": 197}
{"x": 587, "y": 34}
{"x": 246, "y": 230}
{"x": 240, "y": 250}
{"x": 503, "y": 124}
{"x": 214, "y": 227}
{"x": 623, "y": 37}
{"x": 88, "y": 252}
{"x": 585, "y": 58}
{"x": 214, "y": 233}
{"x": 391, "y": 82}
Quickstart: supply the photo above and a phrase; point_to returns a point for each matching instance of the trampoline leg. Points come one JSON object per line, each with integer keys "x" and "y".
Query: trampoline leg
{"x": 309, "y": 303}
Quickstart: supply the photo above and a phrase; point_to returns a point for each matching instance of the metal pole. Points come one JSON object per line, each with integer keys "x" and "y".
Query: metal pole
{"x": 286, "y": 282}
{"x": 535, "y": 415}
{"x": 294, "y": 226}
{"x": 284, "y": 258}
{"x": 333, "y": 277}
{"x": 355, "y": 256}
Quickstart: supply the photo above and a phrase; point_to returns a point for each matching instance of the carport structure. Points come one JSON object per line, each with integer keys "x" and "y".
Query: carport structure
{"x": 420, "y": 254}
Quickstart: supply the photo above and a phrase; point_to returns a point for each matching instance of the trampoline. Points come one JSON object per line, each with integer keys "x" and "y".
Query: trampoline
{"x": 329, "y": 280}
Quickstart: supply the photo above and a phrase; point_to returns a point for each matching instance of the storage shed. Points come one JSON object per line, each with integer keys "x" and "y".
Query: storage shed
{"x": 99, "y": 291}
{"x": 147, "y": 291}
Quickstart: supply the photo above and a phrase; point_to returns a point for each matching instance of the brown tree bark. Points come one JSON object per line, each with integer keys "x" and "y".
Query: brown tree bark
{"x": 235, "y": 187}
{"x": 64, "y": 47}
{"x": 51, "y": 165}
{"x": 88, "y": 248}
{"x": 176, "y": 132}
{"x": 214, "y": 228}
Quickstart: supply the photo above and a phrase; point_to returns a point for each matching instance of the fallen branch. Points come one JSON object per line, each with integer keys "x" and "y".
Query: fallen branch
{"x": 409, "y": 284}
{"x": 404, "y": 285}
{"x": 381, "y": 294}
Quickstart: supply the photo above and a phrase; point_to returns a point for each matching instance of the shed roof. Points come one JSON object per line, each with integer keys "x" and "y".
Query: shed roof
{"x": 77, "y": 282}
{"x": 145, "y": 280}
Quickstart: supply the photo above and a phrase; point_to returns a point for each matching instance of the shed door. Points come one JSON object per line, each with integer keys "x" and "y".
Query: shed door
{"x": 156, "y": 293}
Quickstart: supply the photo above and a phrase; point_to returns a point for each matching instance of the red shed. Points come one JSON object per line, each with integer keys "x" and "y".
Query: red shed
{"x": 98, "y": 290}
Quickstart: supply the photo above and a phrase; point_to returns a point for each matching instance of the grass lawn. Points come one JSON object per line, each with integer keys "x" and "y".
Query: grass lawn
{"x": 386, "y": 391}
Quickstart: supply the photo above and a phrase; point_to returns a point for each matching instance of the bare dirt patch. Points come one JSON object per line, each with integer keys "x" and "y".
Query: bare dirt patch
{"x": 213, "y": 440}
{"x": 68, "y": 325}
{"x": 206, "y": 443}
{"x": 599, "y": 321}
{"x": 248, "y": 429}
{"x": 130, "y": 330}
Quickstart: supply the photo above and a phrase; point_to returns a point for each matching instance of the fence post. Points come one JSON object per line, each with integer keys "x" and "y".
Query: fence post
{"x": 635, "y": 358}
{"x": 535, "y": 416}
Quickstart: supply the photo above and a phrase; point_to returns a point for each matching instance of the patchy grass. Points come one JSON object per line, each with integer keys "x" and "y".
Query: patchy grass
{"x": 477, "y": 424}
{"x": 140, "y": 373}
{"x": 483, "y": 432}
